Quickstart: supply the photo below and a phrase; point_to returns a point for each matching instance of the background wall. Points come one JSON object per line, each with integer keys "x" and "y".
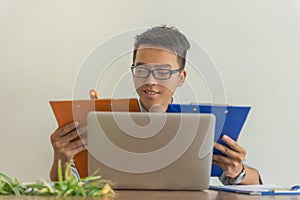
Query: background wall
{"x": 254, "y": 44}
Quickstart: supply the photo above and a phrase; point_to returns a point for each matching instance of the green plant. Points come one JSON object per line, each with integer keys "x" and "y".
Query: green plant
{"x": 67, "y": 185}
{"x": 9, "y": 186}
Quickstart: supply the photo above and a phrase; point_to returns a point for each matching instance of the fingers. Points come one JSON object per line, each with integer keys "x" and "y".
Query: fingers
{"x": 66, "y": 129}
{"x": 77, "y": 143}
{"x": 67, "y": 133}
{"x": 59, "y": 142}
{"x": 76, "y": 147}
{"x": 232, "y": 162}
{"x": 231, "y": 168}
{"x": 68, "y": 141}
{"x": 221, "y": 161}
{"x": 79, "y": 132}
{"x": 68, "y": 151}
{"x": 233, "y": 144}
{"x": 227, "y": 151}
{"x": 77, "y": 150}
{"x": 60, "y": 132}
{"x": 82, "y": 130}
{"x": 234, "y": 148}
{"x": 224, "y": 162}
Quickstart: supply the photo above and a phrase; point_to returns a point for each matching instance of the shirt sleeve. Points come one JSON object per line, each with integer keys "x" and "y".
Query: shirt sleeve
{"x": 74, "y": 170}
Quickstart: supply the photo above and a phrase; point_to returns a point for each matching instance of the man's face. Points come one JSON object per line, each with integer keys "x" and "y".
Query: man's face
{"x": 156, "y": 93}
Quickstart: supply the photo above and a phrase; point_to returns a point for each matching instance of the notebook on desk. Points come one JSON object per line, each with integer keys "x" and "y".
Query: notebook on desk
{"x": 256, "y": 189}
{"x": 229, "y": 120}
{"x": 157, "y": 151}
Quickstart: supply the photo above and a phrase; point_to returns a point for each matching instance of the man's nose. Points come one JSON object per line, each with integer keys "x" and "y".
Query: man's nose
{"x": 150, "y": 80}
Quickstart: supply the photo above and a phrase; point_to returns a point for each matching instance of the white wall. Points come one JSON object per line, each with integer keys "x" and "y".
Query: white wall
{"x": 255, "y": 45}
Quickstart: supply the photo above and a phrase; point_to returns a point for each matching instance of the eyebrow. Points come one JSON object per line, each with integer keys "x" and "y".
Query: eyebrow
{"x": 163, "y": 65}
{"x": 156, "y": 65}
{"x": 140, "y": 63}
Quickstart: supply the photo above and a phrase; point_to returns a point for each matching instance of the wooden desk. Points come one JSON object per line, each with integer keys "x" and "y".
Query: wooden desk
{"x": 163, "y": 195}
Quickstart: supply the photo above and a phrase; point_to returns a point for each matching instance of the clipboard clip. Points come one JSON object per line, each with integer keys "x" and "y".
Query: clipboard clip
{"x": 93, "y": 94}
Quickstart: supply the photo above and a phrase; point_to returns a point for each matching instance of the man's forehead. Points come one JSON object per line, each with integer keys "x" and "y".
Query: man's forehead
{"x": 152, "y": 54}
{"x": 145, "y": 47}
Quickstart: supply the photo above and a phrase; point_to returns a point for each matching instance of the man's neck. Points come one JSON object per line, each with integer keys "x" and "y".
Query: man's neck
{"x": 154, "y": 108}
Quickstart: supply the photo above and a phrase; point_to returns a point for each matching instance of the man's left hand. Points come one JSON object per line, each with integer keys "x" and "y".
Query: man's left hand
{"x": 232, "y": 160}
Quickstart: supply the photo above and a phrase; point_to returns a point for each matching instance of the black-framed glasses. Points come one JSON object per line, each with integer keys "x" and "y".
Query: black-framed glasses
{"x": 161, "y": 72}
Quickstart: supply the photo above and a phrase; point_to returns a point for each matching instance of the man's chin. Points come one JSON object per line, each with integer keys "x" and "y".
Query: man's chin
{"x": 157, "y": 108}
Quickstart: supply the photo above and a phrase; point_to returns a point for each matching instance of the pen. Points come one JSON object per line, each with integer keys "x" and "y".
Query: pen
{"x": 296, "y": 187}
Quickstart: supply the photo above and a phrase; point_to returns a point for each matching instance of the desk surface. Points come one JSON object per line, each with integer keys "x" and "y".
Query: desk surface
{"x": 163, "y": 195}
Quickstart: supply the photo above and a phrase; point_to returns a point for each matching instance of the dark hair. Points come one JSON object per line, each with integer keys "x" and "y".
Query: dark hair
{"x": 165, "y": 37}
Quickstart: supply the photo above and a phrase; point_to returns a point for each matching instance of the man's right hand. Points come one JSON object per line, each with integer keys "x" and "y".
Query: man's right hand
{"x": 66, "y": 144}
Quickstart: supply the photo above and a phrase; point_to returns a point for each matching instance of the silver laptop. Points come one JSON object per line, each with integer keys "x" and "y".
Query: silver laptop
{"x": 155, "y": 151}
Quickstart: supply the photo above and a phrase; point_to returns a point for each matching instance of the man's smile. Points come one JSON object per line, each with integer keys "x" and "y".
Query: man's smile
{"x": 151, "y": 92}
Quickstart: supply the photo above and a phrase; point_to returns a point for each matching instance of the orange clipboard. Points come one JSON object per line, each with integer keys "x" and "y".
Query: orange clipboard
{"x": 68, "y": 111}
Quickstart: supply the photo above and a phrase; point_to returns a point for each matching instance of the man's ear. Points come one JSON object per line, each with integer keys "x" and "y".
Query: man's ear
{"x": 182, "y": 78}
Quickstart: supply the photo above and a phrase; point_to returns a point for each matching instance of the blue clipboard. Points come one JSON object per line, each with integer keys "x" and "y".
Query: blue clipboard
{"x": 229, "y": 121}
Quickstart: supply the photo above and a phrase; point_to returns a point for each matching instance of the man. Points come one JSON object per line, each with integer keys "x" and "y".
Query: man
{"x": 158, "y": 69}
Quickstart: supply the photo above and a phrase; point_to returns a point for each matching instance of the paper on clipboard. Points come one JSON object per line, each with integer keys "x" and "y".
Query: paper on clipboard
{"x": 270, "y": 189}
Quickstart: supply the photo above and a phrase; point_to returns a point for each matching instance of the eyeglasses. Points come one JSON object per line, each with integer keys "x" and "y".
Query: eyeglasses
{"x": 159, "y": 73}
